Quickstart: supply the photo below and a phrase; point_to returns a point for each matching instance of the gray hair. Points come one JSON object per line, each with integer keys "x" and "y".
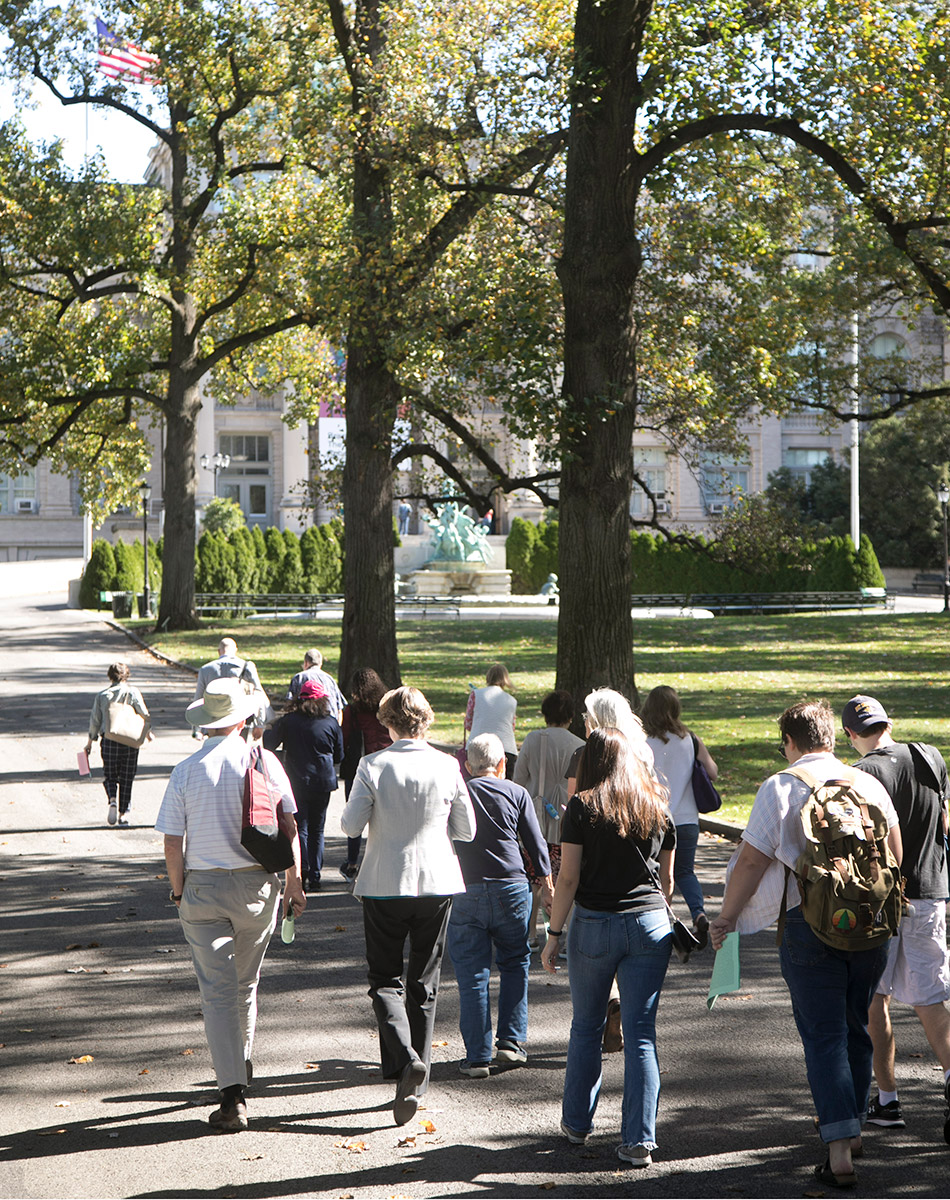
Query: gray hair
{"x": 314, "y": 658}
{"x": 484, "y": 753}
{"x": 606, "y": 708}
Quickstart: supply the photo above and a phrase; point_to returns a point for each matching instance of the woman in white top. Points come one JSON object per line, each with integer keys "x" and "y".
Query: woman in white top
{"x": 491, "y": 709}
{"x": 673, "y": 753}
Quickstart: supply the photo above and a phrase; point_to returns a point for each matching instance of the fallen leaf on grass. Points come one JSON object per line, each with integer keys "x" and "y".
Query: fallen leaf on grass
{"x": 144, "y": 1071}
{"x": 407, "y": 1141}
{"x": 161, "y": 876}
{"x": 83, "y": 1058}
{"x": 251, "y": 1157}
{"x": 312, "y": 1066}
{"x": 187, "y": 1052}
{"x": 427, "y": 1126}
{"x": 436, "y": 1045}
{"x": 353, "y": 1147}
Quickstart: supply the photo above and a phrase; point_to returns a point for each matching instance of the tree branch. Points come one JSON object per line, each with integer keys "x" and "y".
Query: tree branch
{"x": 241, "y": 341}
{"x": 103, "y": 101}
{"x": 344, "y": 40}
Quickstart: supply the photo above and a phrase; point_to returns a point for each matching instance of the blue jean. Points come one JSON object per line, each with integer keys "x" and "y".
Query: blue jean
{"x": 490, "y": 915}
{"x": 635, "y": 947}
{"x": 684, "y": 871}
{"x": 311, "y": 815}
{"x": 831, "y": 991}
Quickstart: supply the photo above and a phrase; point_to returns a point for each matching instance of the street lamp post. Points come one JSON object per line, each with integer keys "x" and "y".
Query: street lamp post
{"x": 943, "y": 495}
{"x": 219, "y": 462}
{"x": 145, "y": 491}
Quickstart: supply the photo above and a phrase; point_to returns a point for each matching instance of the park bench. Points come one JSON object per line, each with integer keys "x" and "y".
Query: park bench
{"x": 925, "y": 581}
{"x": 761, "y": 602}
{"x": 311, "y": 603}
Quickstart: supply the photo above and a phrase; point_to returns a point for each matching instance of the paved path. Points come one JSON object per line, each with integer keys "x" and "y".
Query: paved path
{"x": 92, "y": 962}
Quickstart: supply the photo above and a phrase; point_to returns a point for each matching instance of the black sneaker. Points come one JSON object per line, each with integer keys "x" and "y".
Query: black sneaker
{"x": 888, "y": 1116}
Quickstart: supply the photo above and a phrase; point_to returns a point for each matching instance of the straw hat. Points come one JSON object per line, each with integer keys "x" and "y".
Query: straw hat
{"x": 224, "y": 703}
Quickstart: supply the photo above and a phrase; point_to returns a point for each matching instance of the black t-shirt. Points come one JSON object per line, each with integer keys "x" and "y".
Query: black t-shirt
{"x": 910, "y": 784}
{"x": 613, "y": 875}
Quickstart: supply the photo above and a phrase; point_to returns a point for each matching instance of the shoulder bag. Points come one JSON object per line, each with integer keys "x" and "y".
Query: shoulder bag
{"x": 684, "y": 940}
{"x": 704, "y": 790}
{"x": 124, "y": 725}
{"x": 261, "y": 835}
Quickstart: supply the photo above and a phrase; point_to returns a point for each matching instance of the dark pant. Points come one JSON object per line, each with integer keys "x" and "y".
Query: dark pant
{"x": 312, "y": 804}
{"x": 405, "y": 1012}
{"x": 119, "y": 764}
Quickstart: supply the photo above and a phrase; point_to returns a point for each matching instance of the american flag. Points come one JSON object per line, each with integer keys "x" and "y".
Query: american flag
{"x": 122, "y": 60}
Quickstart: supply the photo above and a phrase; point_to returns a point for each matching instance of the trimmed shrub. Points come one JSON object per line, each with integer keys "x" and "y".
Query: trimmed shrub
{"x": 276, "y": 548}
{"x": 98, "y": 575}
{"x": 521, "y": 547}
{"x": 215, "y": 571}
{"x": 128, "y": 569}
{"x": 289, "y": 574}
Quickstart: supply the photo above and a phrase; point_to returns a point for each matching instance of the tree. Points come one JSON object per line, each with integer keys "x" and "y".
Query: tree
{"x": 679, "y": 102}
{"x": 119, "y": 301}
{"x": 223, "y": 516}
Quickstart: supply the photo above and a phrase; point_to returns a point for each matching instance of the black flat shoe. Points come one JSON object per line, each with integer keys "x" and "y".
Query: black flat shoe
{"x": 825, "y": 1175}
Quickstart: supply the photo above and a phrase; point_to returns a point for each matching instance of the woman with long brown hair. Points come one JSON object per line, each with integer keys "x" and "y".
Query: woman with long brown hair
{"x": 617, "y": 844}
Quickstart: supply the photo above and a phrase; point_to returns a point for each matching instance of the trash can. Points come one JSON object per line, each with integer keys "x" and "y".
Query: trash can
{"x": 122, "y": 604}
{"x": 152, "y": 609}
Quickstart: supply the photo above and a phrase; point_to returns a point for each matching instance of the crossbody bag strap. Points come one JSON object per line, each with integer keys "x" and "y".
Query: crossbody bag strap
{"x": 544, "y": 758}
{"x": 656, "y": 883}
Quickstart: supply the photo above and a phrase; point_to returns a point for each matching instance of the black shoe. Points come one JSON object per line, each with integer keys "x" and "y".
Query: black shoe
{"x": 406, "y": 1103}
{"x": 946, "y": 1112}
{"x": 887, "y": 1116}
{"x": 348, "y": 871}
{"x": 826, "y": 1176}
{"x": 701, "y": 926}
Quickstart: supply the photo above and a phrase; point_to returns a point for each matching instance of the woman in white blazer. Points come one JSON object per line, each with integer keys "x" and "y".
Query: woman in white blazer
{"x": 412, "y": 802}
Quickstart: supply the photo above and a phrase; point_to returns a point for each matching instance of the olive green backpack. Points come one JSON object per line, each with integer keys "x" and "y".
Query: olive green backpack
{"x": 849, "y": 880}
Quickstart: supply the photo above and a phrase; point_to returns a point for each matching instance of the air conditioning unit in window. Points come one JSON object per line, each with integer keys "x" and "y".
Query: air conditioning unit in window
{"x": 715, "y": 509}
{"x": 662, "y": 506}
{"x": 25, "y": 506}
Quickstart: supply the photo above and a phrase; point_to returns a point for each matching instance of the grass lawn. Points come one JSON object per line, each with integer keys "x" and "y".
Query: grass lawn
{"x": 734, "y": 674}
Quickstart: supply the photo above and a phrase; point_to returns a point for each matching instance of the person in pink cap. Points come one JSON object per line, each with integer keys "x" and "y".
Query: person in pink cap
{"x": 313, "y": 744}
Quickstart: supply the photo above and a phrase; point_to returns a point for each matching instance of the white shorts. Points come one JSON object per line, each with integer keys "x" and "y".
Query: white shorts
{"x": 918, "y": 966}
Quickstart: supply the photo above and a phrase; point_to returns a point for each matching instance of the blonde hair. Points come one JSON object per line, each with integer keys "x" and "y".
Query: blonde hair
{"x": 406, "y": 712}
{"x": 497, "y": 676}
{"x": 661, "y": 714}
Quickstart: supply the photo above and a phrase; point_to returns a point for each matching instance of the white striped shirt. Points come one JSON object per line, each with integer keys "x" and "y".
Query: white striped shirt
{"x": 203, "y": 803}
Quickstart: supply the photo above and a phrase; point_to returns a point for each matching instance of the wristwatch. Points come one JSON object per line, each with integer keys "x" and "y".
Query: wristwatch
{"x": 172, "y": 896}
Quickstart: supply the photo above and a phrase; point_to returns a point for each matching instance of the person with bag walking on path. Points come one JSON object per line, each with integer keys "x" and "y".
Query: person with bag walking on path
{"x": 918, "y": 966}
{"x": 617, "y": 843}
{"x": 226, "y": 900}
{"x": 830, "y": 988}
{"x": 412, "y": 802}
{"x": 120, "y": 758}
{"x": 675, "y": 750}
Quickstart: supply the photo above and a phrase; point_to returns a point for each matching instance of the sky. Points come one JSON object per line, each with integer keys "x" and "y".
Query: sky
{"x": 124, "y": 143}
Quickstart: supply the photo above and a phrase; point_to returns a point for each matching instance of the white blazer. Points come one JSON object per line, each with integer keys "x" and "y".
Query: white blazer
{"x": 413, "y": 803}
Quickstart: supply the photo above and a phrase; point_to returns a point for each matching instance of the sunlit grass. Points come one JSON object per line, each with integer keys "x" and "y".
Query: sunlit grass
{"x": 734, "y": 674}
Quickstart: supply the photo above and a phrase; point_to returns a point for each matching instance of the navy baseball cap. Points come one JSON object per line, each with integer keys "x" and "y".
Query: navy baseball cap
{"x": 863, "y": 712}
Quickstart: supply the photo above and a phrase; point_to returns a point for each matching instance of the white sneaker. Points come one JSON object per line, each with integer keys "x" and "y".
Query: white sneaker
{"x": 113, "y": 812}
{"x": 636, "y": 1156}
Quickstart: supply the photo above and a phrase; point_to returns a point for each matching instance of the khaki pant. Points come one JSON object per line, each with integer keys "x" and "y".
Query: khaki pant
{"x": 228, "y": 918}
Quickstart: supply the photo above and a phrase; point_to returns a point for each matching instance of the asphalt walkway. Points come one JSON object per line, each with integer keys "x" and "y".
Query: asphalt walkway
{"x": 92, "y": 963}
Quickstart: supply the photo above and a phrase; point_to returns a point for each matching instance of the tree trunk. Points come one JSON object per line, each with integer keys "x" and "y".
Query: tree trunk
{"x": 369, "y": 618}
{"x": 598, "y": 272}
{"x": 177, "y": 607}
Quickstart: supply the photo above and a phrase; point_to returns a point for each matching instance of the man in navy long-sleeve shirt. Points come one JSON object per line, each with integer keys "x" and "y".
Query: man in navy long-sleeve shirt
{"x": 495, "y": 910}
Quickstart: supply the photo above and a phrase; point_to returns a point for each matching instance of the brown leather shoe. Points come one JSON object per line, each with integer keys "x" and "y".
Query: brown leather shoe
{"x": 231, "y": 1117}
{"x": 613, "y": 1030}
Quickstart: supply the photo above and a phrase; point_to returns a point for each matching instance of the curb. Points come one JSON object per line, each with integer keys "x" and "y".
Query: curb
{"x": 134, "y": 637}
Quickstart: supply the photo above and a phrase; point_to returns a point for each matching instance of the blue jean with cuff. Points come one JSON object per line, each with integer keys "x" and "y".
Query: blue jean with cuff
{"x": 636, "y": 948}
{"x": 487, "y": 916}
{"x": 831, "y": 992}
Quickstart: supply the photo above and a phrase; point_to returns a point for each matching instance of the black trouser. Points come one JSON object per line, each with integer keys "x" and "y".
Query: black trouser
{"x": 405, "y": 1012}
{"x": 119, "y": 764}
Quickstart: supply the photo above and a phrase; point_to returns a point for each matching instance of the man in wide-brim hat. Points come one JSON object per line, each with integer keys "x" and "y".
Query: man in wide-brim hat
{"x": 227, "y": 902}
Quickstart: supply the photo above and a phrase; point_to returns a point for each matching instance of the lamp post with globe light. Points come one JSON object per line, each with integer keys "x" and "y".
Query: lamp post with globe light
{"x": 219, "y": 462}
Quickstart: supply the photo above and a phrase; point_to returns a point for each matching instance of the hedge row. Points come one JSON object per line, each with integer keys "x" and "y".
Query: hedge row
{"x": 119, "y": 568}
{"x": 658, "y": 565}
